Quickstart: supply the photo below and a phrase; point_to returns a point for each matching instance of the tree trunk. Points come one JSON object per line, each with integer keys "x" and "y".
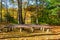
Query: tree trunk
{"x": 1, "y": 11}
{"x": 24, "y": 16}
{"x": 20, "y": 18}
{"x": 6, "y": 10}
{"x": 36, "y": 12}
{"x": 25, "y": 6}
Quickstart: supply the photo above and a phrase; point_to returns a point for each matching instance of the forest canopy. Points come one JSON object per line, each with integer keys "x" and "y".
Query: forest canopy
{"x": 30, "y": 11}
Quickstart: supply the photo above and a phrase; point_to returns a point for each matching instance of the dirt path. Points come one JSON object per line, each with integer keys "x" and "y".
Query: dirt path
{"x": 42, "y": 37}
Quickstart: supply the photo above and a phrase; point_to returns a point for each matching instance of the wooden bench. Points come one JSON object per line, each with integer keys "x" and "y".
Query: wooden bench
{"x": 32, "y": 27}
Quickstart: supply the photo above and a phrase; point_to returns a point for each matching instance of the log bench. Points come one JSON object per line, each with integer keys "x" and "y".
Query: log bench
{"x": 33, "y": 27}
{"x": 43, "y": 28}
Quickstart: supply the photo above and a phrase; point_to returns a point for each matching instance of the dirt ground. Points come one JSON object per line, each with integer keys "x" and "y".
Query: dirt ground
{"x": 38, "y": 36}
{"x": 46, "y": 37}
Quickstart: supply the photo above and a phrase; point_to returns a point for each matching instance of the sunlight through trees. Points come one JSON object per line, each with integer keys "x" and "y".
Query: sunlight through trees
{"x": 31, "y": 11}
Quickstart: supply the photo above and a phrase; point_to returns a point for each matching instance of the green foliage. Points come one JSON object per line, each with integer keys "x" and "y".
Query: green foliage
{"x": 55, "y": 16}
{"x": 9, "y": 18}
{"x": 48, "y": 12}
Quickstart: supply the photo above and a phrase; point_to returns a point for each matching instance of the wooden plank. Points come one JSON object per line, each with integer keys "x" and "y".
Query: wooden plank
{"x": 29, "y": 26}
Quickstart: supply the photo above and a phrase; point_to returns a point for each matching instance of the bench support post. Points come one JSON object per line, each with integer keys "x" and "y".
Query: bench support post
{"x": 20, "y": 29}
{"x": 47, "y": 30}
{"x": 32, "y": 29}
{"x": 43, "y": 29}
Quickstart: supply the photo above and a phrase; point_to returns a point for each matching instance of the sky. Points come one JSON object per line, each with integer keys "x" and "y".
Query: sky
{"x": 9, "y": 5}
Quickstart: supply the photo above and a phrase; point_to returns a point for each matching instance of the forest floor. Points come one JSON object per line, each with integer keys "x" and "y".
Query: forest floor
{"x": 36, "y": 35}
